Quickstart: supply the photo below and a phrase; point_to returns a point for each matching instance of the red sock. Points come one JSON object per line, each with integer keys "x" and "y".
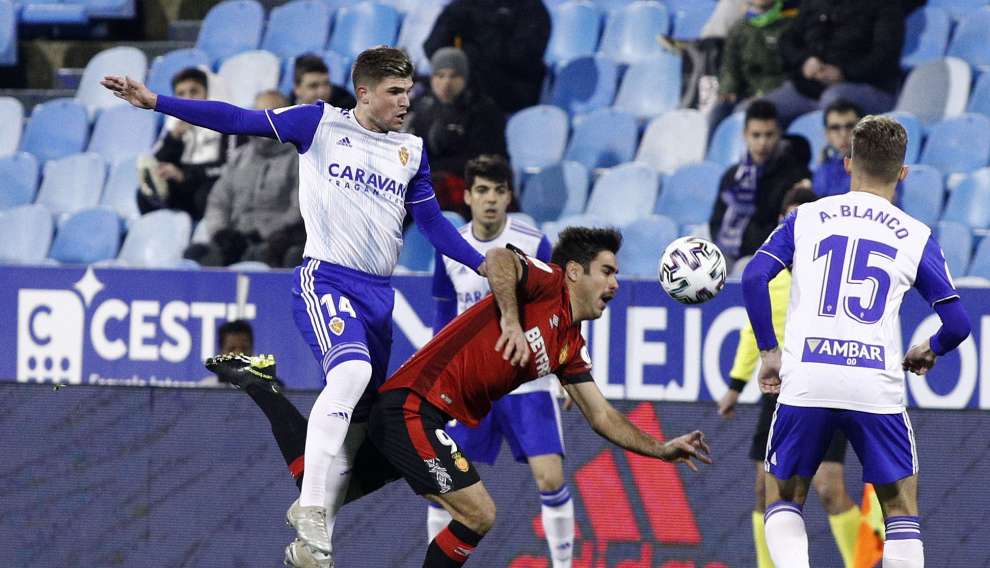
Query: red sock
{"x": 452, "y": 547}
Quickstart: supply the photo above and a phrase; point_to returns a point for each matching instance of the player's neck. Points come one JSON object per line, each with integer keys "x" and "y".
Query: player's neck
{"x": 885, "y": 191}
{"x": 365, "y": 121}
{"x": 487, "y": 232}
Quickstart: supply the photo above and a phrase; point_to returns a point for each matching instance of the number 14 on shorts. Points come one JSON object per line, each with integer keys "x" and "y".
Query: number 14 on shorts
{"x": 336, "y": 324}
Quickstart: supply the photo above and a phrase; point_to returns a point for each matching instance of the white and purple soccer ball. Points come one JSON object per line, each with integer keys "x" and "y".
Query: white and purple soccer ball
{"x": 692, "y": 270}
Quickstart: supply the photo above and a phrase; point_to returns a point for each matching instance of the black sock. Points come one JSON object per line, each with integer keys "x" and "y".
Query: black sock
{"x": 288, "y": 424}
{"x": 456, "y": 543}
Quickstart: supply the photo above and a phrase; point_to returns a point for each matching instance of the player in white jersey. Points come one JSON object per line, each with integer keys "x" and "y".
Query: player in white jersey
{"x": 528, "y": 418}
{"x": 357, "y": 175}
{"x": 852, "y": 259}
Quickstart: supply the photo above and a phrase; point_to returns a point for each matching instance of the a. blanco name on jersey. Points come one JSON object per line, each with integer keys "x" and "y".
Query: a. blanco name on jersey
{"x": 868, "y": 214}
{"x": 843, "y": 352}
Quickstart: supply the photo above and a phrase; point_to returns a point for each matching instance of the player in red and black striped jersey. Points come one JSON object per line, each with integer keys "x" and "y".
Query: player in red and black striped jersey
{"x": 529, "y": 327}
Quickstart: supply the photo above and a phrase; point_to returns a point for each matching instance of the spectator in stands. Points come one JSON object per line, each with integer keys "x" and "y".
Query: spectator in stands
{"x": 841, "y": 49}
{"x": 831, "y": 177}
{"x": 256, "y": 197}
{"x": 457, "y": 123}
{"x": 311, "y": 83}
{"x": 751, "y": 192}
{"x": 187, "y": 159}
{"x": 504, "y": 40}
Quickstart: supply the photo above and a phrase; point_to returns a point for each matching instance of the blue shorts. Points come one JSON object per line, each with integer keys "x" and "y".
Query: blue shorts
{"x": 800, "y": 436}
{"x": 530, "y": 422}
{"x": 345, "y": 315}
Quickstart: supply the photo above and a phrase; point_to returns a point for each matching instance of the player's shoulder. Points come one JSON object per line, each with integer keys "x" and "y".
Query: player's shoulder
{"x": 523, "y": 235}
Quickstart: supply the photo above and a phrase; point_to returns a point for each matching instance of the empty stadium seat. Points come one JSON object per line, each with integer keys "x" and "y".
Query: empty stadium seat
{"x": 584, "y": 84}
{"x": 248, "y": 74}
{"x": 958, "y": 145}
{"x": 114, "y": 9}
{"x": 552, "y": 229}
{"x": 556, "y": 191}
{"x": 812, "y": 126}
{"x": 624, "y": 193}
{"x": 602, "y": 139}
{"x": 969, "y": 42}
{"x": 57, "y": 128}
{"x": 8, "y": 33}
{"x": 72, "y": 183}
{"x": 123, "y": 132}
{"x": 913, "y": 128}
{"x": 119, "y": 61}
{"x": 156, "y": 240}
{"x": 728, "y": 146}
{"x": 87, "y": 236}
{"x": 249, "y": 266}
{"x": 969, "y": 202}
{"x": 958, "y": 255}
{"x": 362, "y": 26}
{"x": 340, "y": 69}
{"x": 576, "y": 25}
{"x": 936, "y": 90}
{"x": 651, "y": 86}
{"x": 297, "y": 28}
{"x": 675, "y": 139}
{"x": 417, "y": 252}
{"x": 11, "y": 124}
{"x": 689, "y": 17}
{"x": 231, "y": 27}
{"x": 416, "y": 27}
{"x": 923, "y": 191}
{"x": 631, "y": 32}
{"x": 688, "y": 195}
{"x": 18, "y": 179}
{"x": 926, "y": 35}
{"x": 164, "y": 67}
{"x": 25, "y": 234}
{"x": 643, "y": 241}
{"x": 455, "y": 218}
{"x": 979, "y": 99}
{"x": 958, "y": 9}
{"x": 536, "y": 137}
{"x": 120, "y": 193}
{"x": 980, "y": 264}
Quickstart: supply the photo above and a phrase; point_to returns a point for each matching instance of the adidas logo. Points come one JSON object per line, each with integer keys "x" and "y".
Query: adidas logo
{"x": 345, "y": 141}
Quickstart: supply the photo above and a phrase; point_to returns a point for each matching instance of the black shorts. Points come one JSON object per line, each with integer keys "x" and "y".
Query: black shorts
{"x": 758, "y": 451}
{"x": 409, "y": 432}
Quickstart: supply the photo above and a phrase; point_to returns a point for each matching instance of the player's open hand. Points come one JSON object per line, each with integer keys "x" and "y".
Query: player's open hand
{"x": 919, "y": 359}
{"x": 683, "y": 448}
{"x": 131, "y": 91}
{"x": 770, "y": 371}
{"x": 512, "y": 343}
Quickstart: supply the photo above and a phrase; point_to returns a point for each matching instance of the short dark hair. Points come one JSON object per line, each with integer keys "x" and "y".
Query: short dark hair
{"x": 583, "y": 244}
{"x": 797, "y": 196}
{"x": 842, "y": 106}
{"x": 190, "y": 74}
{"x": 761, "y": 110}
{"x": 879, "y": 144}
{"x": 488, "y": 166}
{"x": 234, "y": 326}
{"x": 308, "y": 63}
{"x": 378, "y": 63}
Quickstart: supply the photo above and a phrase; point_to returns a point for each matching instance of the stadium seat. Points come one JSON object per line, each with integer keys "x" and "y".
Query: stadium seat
{"x": 576, "y": 25}
{"x": 728, "y": 146}
{"x": 923, "y": 191}
{"x": 249, "y": 266}
{"x": 156, "y": 240}
{"x": 584, "y": 84}
{"x": 57, "y": 128}
{"x": 536, "y": 137}
{"x": 915, "y": 135}
{"x": 643, "y": 241}
{"x": 164, "y": 67}
{"x": 631, "y": 32}
{"x": 553, "y": 228}
{"x": 86, "y": 237}
{"x": 675, "y": 139}
{"x": 417, "y": 253}
{"x": 688, "y": 195}
{"x": 113, "y": 9}
{"x": 936, "y": 90}
{"x": 25, "y": 234}
{"x": 455, "y": 218}
{"x": 123, "y": 132}
{"x": 231, "y": 27}
{"x": 811, "y": 125}
{"x": 556, "y": 191}
{"x": 11, "y": 125}
{"x": 18, "y": 179}
{"x": 118, "y": 61}
{"x": 624, "y": 193}
{"x": 602, "y": 139}
{"x": 651, "y": 87}
{"x": 606, "y": 6}
{"x": 8, "y": 33}
{"x": 958, "y": 145}
{"x": 72, "y": 183}
{"x": 690, "y": 17}
{"x": 416, "y": 27}
{"x": 248, "y": 74}
{"x": 120, "y": 193}
{"x": 52, "y": 13}
{"x": 362, "y": 26}
{"x": 297, "y": 27}
{"x": 980, "y": 264}
{"x": 957, "y": 9}
{"x": 340, "y": 69}
{"x": 926, "y": 35}
{"x": 958, "y": 255}
{"x": 979, "y": 99}
{"x": 969, "y": 202}
{"x": 969, "y": 42}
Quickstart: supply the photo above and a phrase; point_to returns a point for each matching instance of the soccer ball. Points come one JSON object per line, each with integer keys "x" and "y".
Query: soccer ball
{"x": 692, "y": 270}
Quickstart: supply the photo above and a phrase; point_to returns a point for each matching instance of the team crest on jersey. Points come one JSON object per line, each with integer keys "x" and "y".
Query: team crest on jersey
{"x": 403, "y": 155}
{"x": 563, "y": 355}
{"x": 337, "y": 325}
{"x": 460, "y": 462}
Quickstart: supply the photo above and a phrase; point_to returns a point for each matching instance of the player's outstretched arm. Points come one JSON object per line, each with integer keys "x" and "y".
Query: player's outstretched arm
{"x": 131, "y": 91}
{"x": 504, "y": 272}
{"x": 612, "y": 425}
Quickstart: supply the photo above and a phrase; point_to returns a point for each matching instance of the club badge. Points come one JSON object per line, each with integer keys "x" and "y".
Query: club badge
{"x": 337, "y": 325}
{"x": 404, "y": 155}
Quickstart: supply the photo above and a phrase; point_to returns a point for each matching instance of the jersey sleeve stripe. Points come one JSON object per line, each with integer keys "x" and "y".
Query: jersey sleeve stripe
{"x": 773, "y": 257}
{"x": 945, "y": 299}
{"x": 275, "y": 130}
{"x": 421, "y": 200}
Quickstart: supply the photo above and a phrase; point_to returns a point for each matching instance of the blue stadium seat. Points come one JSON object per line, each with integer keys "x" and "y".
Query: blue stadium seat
{"x": 958, "y": 255}
{"x": 11, "y": 125}
{"x": 123, "y": 132}
{"x": 926, "y": 35}
{"x": 72, "y": 183}
{"x": 8, "y": 33}
{"x": 297, "y": 27}
{"x": 52, "y": 12}
{"x": 57, "y": 128}
{"x": 250, "y": 73}
{"x": 416, "y": 27}
{"x": 624, "y": 193}
{"x": 231, "y": 27}
{"x": 584, "y": 84}
{"x": 631, "y": 32}
{"x": 576, "y": 25}
{"x": 957, "y": 9}
{"x": 915, "y": 134}
{"x": 969, "y": 42}
{"x": 25, "y": 234}
{"x": 455, "y": 218}
{"x": 811, "y": 125}
{"x": 113, "y": 9}
{"x": 164, "y": 67}
{"x": 688, "y": 195}
{"x": 536, "y": 137}
{"x": 651, "y": 86}
{"x": 120, "y": 193}
{"x": 118, "y": 61}
{"x": 980, "y": 264}
{"x": 553, "y": 228}
{"x": 606, "y": 6}
{"x": 958, "y": 145}
{"x": 643, "y": 241}
{"x": 690, "y": 17}
{"x": 340, "y": 69}
{"x": 602, "y": 139}
{"x": 923, "y": 191}
{"x": 936, "y": 90}
{"x": 417, "y": 253}
{"x": 362, "y": 26}
{"x": 249, "y": 266}
{"x": 18, "y": 179}
{"x": 556, "y": 191}
{"x": 674, "y": 139}
{"x": 156, "y": 240}
{"x": 969, "y": 202}
{"x": 979, "y": 99}
{"x": 88, "y": 236}
{"x": 727, "y": 145}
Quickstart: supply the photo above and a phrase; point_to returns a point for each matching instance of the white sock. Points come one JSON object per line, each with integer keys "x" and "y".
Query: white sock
{"x": 903, "y": 547}
{"x": 328, "y": 424}
{"x": 787, "y": 539}
{"x": 437, "y": 519}
{"x": 339, "y": 474}
{"x": 558, "y": 524}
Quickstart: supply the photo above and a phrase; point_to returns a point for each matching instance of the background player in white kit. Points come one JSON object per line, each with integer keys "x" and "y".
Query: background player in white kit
{"x": 852, "y": 258}
{"x": 357, "y": 175}
{"x": 528, "y": 418}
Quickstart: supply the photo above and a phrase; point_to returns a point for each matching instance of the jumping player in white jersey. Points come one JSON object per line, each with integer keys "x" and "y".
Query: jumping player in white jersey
{"x": 528, "y": 418}
{"x": 852, "y": 258}
{"x": 357, "y": 175}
